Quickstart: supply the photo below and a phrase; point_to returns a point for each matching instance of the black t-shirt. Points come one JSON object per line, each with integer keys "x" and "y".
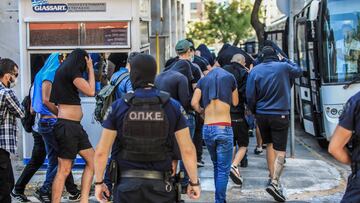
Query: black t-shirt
{"x": 63, "y": 89}
{"x": 240, "y": 74}
{"x": 176, "y": 85}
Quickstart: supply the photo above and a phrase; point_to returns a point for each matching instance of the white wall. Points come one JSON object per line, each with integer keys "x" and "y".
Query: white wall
{"x": 9, "y": 30}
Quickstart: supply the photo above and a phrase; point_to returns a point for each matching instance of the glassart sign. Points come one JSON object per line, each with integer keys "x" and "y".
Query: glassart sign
{"x": 43, "y": 6}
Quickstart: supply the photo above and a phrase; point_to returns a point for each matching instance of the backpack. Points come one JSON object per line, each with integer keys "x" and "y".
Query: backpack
{"x": 29, "y": 119}
{"x": 106, "y": 97}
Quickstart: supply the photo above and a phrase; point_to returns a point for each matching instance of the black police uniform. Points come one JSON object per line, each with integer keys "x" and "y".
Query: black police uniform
{"x": 145, "y": 123}
{"x": 350, "y": 120}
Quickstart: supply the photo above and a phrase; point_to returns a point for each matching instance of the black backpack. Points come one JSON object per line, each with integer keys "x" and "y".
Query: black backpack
{"x": 29, "y": 119}
{"x": 106, "y": 97}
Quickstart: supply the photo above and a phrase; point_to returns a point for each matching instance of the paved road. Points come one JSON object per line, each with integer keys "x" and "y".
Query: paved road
{"x": 312, "y": 176}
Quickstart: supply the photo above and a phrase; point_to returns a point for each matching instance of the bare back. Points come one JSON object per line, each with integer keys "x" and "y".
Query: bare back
{"x": 217, "y": 111}
{"x": 70, "y": 112}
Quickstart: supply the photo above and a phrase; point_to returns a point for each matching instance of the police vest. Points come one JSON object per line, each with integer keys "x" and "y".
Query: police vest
{"x": 145, "y": 130}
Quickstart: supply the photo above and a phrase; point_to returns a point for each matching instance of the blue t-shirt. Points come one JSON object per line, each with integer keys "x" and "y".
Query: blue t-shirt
{"x": 114, "y": 121}
{"x": 350, "y": 118}
{"x": 46, "y": 73}
{"x": 217, "y": 84}
{"x": 268, "y": 87}
{"x": 124, "y": 86}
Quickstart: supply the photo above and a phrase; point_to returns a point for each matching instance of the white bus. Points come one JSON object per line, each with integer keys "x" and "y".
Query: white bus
{"x": 327, "y": 47}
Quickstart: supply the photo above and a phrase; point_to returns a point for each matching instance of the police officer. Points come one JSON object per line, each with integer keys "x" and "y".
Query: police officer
{"x": 146, "y": 123}
{"x": 347, "y": 130}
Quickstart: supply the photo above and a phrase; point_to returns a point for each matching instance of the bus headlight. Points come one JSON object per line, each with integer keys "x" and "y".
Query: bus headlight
{"x": 334, "y": 111}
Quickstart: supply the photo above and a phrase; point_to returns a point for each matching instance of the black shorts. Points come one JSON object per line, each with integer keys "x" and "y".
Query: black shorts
{"x": 274, "y": 129}
{"x": 71, "y": 138}
{"x": 241, "y": 136}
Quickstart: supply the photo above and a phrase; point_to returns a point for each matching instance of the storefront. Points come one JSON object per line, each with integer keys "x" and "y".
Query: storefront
{"x": 98, "y": 26}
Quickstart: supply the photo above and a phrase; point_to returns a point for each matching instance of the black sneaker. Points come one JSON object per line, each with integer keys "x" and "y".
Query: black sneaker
{"x": 275, "y": 190}
{"x": 200, "y": 164}
{"x": 258, "y": 151}
{"x": 75, "y": 197}
{"x": 42, "y": 197}
{"x": 244, "y": 162}
{"x": 19, "y": 197}
{"x": 235, "y": 175}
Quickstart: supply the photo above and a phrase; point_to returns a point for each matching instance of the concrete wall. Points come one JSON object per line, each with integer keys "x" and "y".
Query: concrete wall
{"x": 9, "y": 44}
{"x": 9, "y": 30}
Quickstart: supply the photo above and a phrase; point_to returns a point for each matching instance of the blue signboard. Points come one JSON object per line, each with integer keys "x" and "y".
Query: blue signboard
{"x": 50, "y": 8}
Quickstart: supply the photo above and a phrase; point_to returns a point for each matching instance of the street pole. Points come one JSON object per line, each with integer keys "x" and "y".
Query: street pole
{"x": 291, "y": 55}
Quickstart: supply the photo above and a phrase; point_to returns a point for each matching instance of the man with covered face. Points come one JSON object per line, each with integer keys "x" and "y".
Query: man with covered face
{"x": 145, "y": 123}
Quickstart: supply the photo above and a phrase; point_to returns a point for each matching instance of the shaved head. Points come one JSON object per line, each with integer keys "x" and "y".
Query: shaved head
{"x": 239, "y": 58}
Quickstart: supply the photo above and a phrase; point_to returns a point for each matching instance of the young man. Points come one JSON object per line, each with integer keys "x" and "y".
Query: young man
{"x": 193, "y": 75}
{"x": 69, "y": 134}
{"x": 38, "y": 156}
{"x": 238, "y": 121}
{"x": 125, "y": 85}
{"x": 348, "y": 131}
{"x": 145, "y": 123}
{"x": 216, "y": 92}
{"x": 268, "y": 97}
{"x": 48, "y": 117}
{"x": 10, "y": 109}
{"x": 176, "y": 84}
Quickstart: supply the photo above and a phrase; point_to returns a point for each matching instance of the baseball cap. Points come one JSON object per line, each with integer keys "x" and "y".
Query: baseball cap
{"x": 183, "y": 46}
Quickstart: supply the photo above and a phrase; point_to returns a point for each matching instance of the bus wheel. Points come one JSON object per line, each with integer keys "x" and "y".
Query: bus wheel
{"x": 323, "y": 143}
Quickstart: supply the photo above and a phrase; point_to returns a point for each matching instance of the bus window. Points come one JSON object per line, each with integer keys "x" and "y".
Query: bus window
{"x": 343, "y": 41}
{"x": 301, "y": 40}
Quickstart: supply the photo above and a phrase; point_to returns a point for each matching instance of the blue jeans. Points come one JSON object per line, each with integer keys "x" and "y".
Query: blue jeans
{"x": 46, "y": 126}
{"x": 191, "y": 124}
{"x": 219, "y": 141}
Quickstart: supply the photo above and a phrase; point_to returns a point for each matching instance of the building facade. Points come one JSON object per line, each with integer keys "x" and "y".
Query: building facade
{"x": 32, "y": 29}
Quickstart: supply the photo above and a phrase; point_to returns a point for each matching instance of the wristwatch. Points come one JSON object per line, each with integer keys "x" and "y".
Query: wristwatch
{"x": 195, "y": 184}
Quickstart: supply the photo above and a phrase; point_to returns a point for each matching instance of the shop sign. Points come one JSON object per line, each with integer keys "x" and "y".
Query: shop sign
{"x": 42, "y": 6}
{"x": 52, "y": 8}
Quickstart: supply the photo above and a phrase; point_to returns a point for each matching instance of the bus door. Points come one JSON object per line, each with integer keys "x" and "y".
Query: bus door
{"x": 310, "y": 82}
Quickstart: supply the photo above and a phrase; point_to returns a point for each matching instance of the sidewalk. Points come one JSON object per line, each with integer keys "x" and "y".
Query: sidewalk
{"x": 304, "y": 177}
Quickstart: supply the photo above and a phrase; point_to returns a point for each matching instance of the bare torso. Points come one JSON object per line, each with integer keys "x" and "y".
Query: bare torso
{"x": 70, "y": 112}
{"x": 217, "y": 111}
